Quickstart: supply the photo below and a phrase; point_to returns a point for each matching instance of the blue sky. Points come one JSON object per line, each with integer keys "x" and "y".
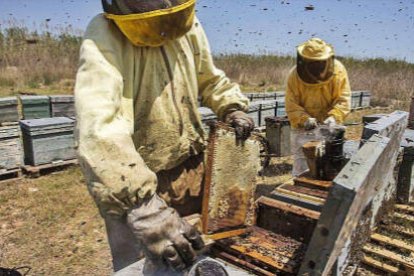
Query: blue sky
{"x": 358, "y": 28}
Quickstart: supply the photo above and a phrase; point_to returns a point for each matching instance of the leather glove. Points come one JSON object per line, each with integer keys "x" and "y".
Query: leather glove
{"x": 169, "y": 242}
{"x": 330, "y": 122}
{"x": 310, "y": 124}
{"x": 241, "y": 122}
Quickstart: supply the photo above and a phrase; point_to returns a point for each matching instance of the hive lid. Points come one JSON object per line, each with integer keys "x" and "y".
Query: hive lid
{"x": 34, "y": 99}
{"x": 62, "y": 99}
{"x": 49, "y": 123}
{"x": 8, "y": 101}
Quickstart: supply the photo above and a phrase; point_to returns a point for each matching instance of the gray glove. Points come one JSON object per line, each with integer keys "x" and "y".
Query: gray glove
{"x": 168, "y": 241}
{"x": 330, "y": 122}
{"x": 310, "y": 124}
{"x": 242, "y": 123}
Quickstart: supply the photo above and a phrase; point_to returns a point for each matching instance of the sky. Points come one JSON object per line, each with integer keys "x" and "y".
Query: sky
{"x": 357, "y": 28}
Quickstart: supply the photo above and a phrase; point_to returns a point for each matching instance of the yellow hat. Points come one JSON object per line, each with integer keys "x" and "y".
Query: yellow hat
{"x": 315, "y": 49}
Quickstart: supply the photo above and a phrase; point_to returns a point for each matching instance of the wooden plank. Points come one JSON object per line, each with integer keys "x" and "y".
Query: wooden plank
{"x": 380, "y": 265}
{"x": 403, "y": 217}
{"x": 35, "y": 171}
{"x": 284, "y": 189}
{"x": 365, "y": 182}
{"x": 307, "y": 191}
{"x": 288, "y": 207}
{"x": 391, "y": 241}
{"x": 307, "y": 181}
{"x": 8, "y": 175}
{"x": 244, "y": 264}
{"x": 227, "y": 234}
{"x": 390, "y": 255}
{"x": 405, "y": 208}
{"x": 315, "y": 206}
{"x": 400, "y": 229}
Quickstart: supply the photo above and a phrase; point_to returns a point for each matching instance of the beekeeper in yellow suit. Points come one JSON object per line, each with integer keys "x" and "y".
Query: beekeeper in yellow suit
{"x": 143, "y": 66}
{"x": 317, "y": 92}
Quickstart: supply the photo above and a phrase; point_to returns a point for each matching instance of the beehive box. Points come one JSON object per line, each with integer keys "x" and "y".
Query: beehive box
{"x": 35, "y": 107}
{"x": 48, "y": 140}
{"x": 8, "y": 110}
{"x": 355, "y": 99}
{"x": 62, "y": 106}
{"x": 10, "y": 148}
{"x": 366, "y": 99}
{"x": 278, "y": 135}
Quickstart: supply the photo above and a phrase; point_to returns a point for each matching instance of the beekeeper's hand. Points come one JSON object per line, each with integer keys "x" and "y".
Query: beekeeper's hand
{"x": 310, "y": 124}
{"x": 330, "y": 122}
{"x": 168, "y": 241}
{"x": 241, "y": 122}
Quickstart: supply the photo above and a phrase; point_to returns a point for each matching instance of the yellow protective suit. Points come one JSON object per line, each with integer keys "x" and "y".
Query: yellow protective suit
{"x": 137, "y": 109}
{"x": 321, "y": 100}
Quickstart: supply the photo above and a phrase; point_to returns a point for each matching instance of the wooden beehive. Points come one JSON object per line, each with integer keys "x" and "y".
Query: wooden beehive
{"x": 62, "y": 106}
{"x": 48, "y": 140}
{"x": 8, "y": 110}
{"x": 10, "y": 148}
{"x": 35, "y": 107}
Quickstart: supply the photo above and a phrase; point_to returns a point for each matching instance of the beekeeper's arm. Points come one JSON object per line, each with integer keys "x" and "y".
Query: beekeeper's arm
{"x": 117, "y": 175}
{"x": 296, "y": 113}
{"x": 342, "y": 96}
{"x": 217, "y": 91}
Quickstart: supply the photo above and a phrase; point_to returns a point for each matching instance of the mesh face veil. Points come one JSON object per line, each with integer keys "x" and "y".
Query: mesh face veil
{"x": 153, "y": 27}
{"x": 315, "y": 61}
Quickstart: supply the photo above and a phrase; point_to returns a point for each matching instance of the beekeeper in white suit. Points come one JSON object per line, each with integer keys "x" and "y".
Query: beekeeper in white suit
{"x": 143, "y": 66}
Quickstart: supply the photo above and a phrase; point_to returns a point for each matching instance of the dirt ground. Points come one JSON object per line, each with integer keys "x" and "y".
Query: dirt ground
{"x": 52, "y": 225}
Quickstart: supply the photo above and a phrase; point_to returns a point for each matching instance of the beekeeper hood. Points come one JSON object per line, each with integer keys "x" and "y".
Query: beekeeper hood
{"x": 151, "y": 22}
{"x": 315, "y": 61}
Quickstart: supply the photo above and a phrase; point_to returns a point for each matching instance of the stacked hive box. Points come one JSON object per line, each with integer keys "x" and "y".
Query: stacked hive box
{"x": 35, "y": 107}
{"x": 48, "y": 140}
{"x": 8, "y": 110}
{"x": 62, "y": 106}
{"x": 10, "y": 149}
{"x": 360, "y": 99}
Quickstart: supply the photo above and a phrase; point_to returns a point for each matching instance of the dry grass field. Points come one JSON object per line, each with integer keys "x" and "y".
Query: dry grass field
{"x": 51, "y": 223}
{"x": 43, "y": 63}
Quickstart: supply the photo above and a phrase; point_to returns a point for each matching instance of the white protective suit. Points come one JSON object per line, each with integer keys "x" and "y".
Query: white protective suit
{"x": 137, "y": 110}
